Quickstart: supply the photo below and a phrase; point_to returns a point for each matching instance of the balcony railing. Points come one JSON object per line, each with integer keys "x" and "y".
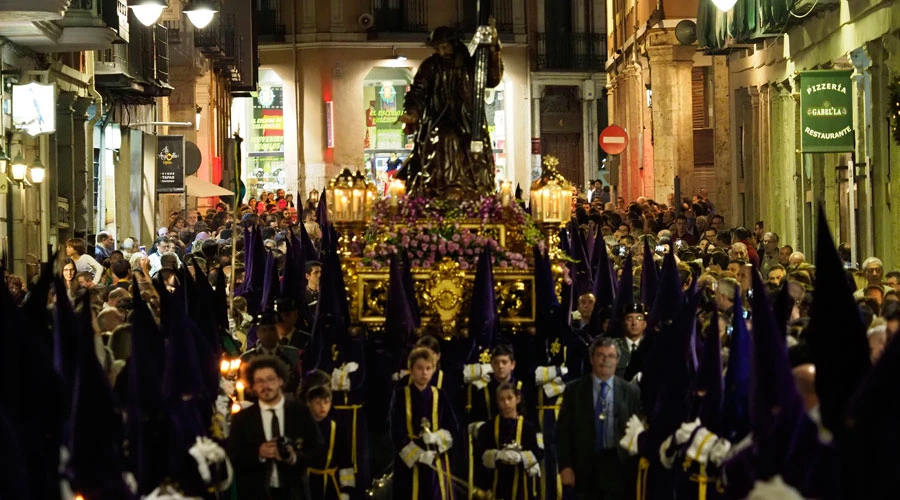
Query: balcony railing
{"x": 571, "y": 52}
{"x": 112, "y": 13}
{"x": 271, "y": 28}
{"x": 503, "y": 14}
{"x": 409, "y": 16}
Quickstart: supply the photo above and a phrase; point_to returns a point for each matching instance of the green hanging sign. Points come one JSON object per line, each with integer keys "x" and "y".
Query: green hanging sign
{"x": 826, "y": 112}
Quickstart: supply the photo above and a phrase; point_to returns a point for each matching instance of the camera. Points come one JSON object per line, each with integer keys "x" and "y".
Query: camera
{"x": 285, "y": 447}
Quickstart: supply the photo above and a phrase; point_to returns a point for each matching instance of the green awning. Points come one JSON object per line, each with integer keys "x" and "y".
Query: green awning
{"x": 749, "y": 21}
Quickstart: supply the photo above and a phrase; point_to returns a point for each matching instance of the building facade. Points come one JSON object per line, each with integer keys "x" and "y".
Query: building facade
{"x": 667, "y": 95}
{"x": 777, "y": 176}
{"x": 334, "y": 73}
{"x": 115, "y": 85}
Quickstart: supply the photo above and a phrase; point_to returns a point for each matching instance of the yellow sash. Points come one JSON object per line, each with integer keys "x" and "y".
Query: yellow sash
{"x": 515, "y": 488}
{"x": 354, "y": 438}
{"x": 329, "y": 472}
{"x": 412, "y": 435}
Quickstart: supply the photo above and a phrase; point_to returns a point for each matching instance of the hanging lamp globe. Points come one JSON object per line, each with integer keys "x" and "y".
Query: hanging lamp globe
{"x": 724, "y": 5}
{"x": 147, "y": 11}
{"x": 18, "y": 168}
{"x": 38, "y": 172}
{"x": 201, "y": 12}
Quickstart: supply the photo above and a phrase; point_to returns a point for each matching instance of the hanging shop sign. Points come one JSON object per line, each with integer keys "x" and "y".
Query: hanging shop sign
{"x": 170, "y": 164}
{"x": 826, "y": 107}
{"x": 34, "y": 108}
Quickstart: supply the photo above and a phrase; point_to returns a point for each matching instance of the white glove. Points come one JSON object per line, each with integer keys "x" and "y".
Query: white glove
{"x": 430, "y": 438}
{"x": 540, "y": 440}
{"x": 534, "y": 471}
{"x": 398, "y": 375}
{"x": 473, "y": 428}
{"x": 477, "y": 374}
{"x": 427, "y": 457}
{"x": 351, "y": 367}
{"x": 347, "y": 478}
{"x": 684, "y": 433}
{"x": 544, "y": 374}
{"x": 411, "y": 453}
{"x": 340, "y": 380}
{"x": 633, "y": 429}
{"x": 719, "y": 451}
{"x": 510, "y": 457}
{"x": 345, "y": 496}
{"x": 528, "y": 459}
{"x": 665, "y": 458}
{"x": 554, "y": 387}
{"x": 701, "y": 445}
{"x": 489, "y": 458}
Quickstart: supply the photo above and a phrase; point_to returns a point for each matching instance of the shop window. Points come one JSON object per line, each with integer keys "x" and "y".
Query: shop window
{"x": 266, "y": 138}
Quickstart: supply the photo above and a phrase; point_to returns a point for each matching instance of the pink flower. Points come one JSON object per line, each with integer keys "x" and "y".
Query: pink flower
{"x": 455, "y": 237}
{"x": 463, "y": 264}
{"x": 376, "y": 265}
{"x": 405, "y": 240}
{"x": 503, "y": 265}
{"x": 415, "y": 263}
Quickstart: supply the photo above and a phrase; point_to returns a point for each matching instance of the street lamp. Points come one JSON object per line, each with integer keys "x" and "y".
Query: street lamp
{"x": 18, "y": 168}
{"x": 724, "y": 5}
{"x": 147, "y": 11}
{"x": 38, "y": 172}
{"x": 201, "y": 12}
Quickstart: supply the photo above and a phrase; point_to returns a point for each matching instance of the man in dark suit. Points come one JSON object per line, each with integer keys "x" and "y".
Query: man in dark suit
{"x": 634, "y": 322}
{"x": 271, "y": 442}
{"x": 597, "y": 405}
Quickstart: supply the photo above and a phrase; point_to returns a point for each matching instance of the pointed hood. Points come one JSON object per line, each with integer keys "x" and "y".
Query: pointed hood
{"x": 783, "y": 434}
{"x": 837, "y": 337}
{"x": 669, "y": 295}
{"x": 182, "y": 374}
{"x": 65, "y": 336}
{"x": 400, "y": 321}
{"x": 410, "y": 286}
{"x": 649, "y": 277}
{"x": 582, "y": 276}
{"x": 93, "y": 430}
{"x": 484, "y": 322}
{"x": 332, "y": 319}
{"x": 604, "y": 280}
{"x": 206, "y": 310}
{"x": 624, "y": 298}
{"x": 322, "y": 211}
{"x": 271, "y": 284}
{"x": 736, "y": 416}
{"x": 294, "y": 282}
{"x": 550, "y": 315}
{"x": 254, "y": 269}
{"x": 710, "y": 385}
{"x": 144, "y": 399}
{"x": 306, "y": 244}
{"x": 784, "y": 306}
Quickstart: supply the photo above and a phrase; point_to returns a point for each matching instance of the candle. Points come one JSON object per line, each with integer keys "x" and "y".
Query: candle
{"x": 239, "y": 386}
{"x": 235, "y": 407}
{"x": 505, "y": 197}
{"x": 224, "y": 367}
{"x": 345, "y": 207}
{"x": 358, "y": 200}
{"x": 235, "y": 365}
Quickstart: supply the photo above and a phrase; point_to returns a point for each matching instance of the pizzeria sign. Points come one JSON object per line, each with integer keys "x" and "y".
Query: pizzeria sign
{"x": 826, "y": 112}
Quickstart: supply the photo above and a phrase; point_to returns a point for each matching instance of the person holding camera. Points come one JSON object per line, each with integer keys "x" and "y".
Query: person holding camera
{"x": 272, "y": 441}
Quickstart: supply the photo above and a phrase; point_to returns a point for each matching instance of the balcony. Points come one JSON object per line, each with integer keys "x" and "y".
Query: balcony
{"x": 503, "y": 14}
{"x": 230, "y": 60}
{"x": 270, "y": 25}
{"x": 399, "y": 16}
{"x": 211, "y": 39}
{"x": 19, "y": 11}
{"x": 571, "y": 52}
{"x": 138, "y": 68}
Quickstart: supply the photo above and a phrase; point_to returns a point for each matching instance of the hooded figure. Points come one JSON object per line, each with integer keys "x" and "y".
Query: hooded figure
{"x": 439, "y": 109}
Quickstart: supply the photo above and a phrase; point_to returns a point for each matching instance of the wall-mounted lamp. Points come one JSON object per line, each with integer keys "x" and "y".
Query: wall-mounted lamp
{"x": 200, "y": 12}
{"x": 18, "y": 168}
{"x": 147, "y": 11}
{"x": 198, "y": 115}
{"x": 396, "y": 56}
{"x": 38, "y": 172}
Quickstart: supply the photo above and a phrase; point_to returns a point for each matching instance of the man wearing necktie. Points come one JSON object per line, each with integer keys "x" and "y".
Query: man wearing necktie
{"x": 597, "y": 405}
{"x": 634, "y": 322}
{"x": 272, "y": 441}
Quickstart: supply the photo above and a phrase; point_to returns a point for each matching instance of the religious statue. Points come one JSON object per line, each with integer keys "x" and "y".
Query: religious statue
{"x": 452, "y": 157}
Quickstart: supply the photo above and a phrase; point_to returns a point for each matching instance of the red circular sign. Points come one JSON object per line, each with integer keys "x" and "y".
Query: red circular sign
{"x": 613, "y": 139}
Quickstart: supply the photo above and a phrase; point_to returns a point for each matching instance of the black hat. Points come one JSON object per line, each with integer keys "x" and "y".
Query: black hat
{"x": 636, "y": 308}
{"x": 442, "y": 34}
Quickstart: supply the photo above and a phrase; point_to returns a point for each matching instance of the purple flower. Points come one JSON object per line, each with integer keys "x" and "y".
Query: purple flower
{"x": 455, "y": 237}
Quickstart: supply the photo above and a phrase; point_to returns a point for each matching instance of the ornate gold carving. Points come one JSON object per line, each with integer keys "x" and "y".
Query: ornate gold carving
{"x": 445, "y": 289}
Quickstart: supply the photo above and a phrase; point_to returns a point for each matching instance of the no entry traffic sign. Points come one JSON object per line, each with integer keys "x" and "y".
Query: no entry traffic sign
{"x": 613, "y": 139}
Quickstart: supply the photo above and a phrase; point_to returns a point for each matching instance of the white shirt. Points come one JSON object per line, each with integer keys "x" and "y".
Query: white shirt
{"x": 267, "y": 429}
{"x": 88, "y": 263}
{"x": 632, "y": 344}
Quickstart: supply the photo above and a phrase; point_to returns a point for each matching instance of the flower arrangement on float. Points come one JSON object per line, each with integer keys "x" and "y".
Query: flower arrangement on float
{"x": 431, "y": 230}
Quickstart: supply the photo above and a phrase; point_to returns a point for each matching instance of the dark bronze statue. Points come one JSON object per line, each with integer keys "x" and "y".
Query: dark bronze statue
{"x": 439, "y": 110}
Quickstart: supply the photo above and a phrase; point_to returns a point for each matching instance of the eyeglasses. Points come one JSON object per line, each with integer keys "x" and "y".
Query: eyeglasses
{"x": 265, "y": 381}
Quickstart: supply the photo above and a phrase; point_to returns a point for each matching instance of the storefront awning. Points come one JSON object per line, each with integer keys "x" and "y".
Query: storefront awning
{"x": 203, "y": 189}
